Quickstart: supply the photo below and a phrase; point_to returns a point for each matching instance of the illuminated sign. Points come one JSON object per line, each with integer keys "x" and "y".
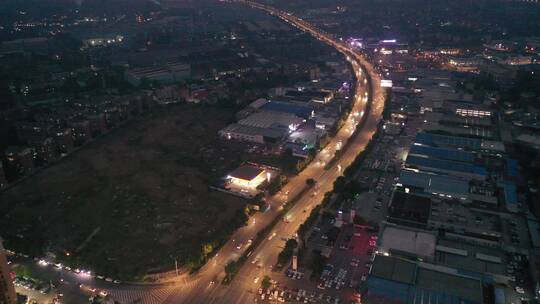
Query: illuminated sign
{"x": 386, "y": 83}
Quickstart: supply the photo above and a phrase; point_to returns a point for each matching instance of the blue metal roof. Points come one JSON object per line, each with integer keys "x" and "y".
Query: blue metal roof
{"x": 448, "y": 165}
{"x": 436, "y": 140}
{"x": 442, "y": 153}
{"x": 405, "y": 293}
{"x": 512, "y": 167}
{"x": 510, "y": 194}
{"x": 434, "y": 183}
{"x": 300, "y": 111}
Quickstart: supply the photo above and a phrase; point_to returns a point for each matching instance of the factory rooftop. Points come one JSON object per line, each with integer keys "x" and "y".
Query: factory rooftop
{"x": 298, "y": 110}
{"x": 396, "y": 279}
{"x": 246, "y": 172}
{"x": 443, "y": 153}
{"x": 435, "y": 184}
{"x": 471, "y": 144}
{"x": 408, "y": 242}
{"x": 446, "y": 166}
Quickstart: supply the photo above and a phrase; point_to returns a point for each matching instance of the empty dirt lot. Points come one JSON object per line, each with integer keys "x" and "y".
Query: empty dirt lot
{"x": 138, "y": 195}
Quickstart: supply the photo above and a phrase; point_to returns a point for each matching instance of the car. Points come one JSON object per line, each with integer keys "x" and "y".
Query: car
{"x": 364, "y": 278}
{"x": 520, "y": 290}
{"x": 256, "y": 280}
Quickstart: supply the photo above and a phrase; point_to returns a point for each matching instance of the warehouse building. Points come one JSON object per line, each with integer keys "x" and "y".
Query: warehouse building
{"x": 272, "y": 119}
{"x": 265, "y": 127}
{"x": 396, "y": 280}
{"x": 247, "y": 176}
{"x": 464, "y": 143}
{"x": 244, "y": 133}
{"x": 462, "y": 169}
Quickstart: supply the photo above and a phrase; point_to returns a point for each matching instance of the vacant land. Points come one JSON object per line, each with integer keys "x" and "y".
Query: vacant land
{"x": 134, "y": 199}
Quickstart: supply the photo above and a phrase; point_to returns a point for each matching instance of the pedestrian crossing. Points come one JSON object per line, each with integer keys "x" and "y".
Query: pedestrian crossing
{"x": 152, "y": 295}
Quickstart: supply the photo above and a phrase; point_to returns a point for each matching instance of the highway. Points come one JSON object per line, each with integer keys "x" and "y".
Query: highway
{"x": 243, "y": 288}
{"x": 204, "y": 286}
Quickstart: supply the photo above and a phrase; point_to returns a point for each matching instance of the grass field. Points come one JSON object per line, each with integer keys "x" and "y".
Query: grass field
{"x": 133, "y": 200}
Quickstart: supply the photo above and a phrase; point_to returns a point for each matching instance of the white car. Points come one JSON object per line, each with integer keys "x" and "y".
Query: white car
{"x": 256, "y": 280}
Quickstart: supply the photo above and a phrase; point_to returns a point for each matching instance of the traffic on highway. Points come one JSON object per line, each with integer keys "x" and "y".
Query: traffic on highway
{"x": 204, "y": 285}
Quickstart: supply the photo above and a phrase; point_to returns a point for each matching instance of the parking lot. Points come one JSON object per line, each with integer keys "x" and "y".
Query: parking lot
{"x": 347, "y": 267}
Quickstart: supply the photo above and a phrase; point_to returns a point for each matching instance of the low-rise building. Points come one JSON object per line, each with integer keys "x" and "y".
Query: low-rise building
{"x": 7, "y": 289}
{"x": 245, "y": 133}
{"x": 407, "y": 242}
{"x": 164, "y": 74}
{"x": 393, "y": 279}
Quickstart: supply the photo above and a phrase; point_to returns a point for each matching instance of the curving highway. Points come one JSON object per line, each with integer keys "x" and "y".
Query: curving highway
{"x": 241, "y": 290}
{"x": 204, "y": 286}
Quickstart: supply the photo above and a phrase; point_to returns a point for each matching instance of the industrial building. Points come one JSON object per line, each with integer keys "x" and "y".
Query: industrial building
{"x": 247, "y": 176}
{"x": 397, "y": 280}
{"x": 299, "y": 110}
{"x": 272, "y": 119}
{"x": 167, "y": 74}
{"x": 245, "y": 133}
{"x": 408, "y": 242}
{"x": 461, "y": 169}
{"x": 7, "y": 290}
{"x": 445, "y": 185}
{"x": 262, "y": 127}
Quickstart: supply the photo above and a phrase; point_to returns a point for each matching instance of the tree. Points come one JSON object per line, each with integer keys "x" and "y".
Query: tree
{"x": 339, "y": 184}
{"x": 310, "y": 182}
{"x": 265, "y": 283}
{"x": 207, "y": 248}
{"x": 231, "y": 269}
{"x": 318, "y": 264}
{"x": 358, "y": 220}
{"x": 286, "y": 254}
{"x": 333, "y": 234}
{"x": 289, "y": 162}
